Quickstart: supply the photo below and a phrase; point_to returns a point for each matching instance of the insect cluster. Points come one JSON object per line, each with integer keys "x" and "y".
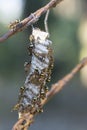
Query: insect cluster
{"x": 16, "y": 24}
{"x": 38, "y": 73}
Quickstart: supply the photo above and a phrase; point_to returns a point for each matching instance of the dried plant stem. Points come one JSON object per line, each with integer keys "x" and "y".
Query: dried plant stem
{"x": 30, "y": 19}
{"x": 55, "y": 88}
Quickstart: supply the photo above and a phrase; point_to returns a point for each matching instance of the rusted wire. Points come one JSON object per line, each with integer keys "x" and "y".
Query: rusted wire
{"x": 32, "y": 18}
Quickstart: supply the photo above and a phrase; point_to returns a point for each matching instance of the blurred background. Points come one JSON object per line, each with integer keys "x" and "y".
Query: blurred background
{"x": 68, "y": 29}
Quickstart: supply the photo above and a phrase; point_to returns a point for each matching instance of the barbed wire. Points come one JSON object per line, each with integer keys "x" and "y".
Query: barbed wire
{"x": 31, "y": 19}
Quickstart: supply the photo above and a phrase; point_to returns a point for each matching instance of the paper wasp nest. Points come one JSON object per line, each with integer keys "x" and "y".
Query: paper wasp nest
{"x": 38, "y": 73}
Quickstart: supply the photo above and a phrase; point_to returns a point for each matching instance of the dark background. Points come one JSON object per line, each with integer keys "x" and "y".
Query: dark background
{"x": 67, "y": 26}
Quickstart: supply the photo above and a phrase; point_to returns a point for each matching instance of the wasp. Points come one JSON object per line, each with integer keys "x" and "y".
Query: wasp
{"x": 13, "y": 25}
